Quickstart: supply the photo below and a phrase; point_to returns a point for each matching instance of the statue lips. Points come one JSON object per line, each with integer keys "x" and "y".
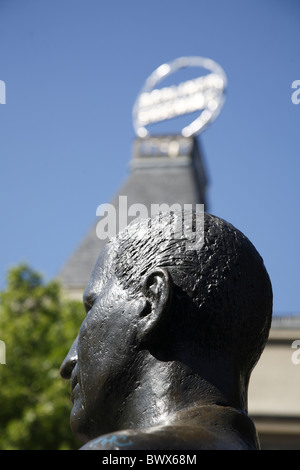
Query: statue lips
{"x": 74, "y": 387}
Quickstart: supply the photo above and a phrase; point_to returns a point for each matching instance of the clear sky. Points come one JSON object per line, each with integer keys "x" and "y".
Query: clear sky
{"x": 73, "y": 69}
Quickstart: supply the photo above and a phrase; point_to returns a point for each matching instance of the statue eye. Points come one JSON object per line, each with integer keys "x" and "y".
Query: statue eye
{"x": 89, "y": 301}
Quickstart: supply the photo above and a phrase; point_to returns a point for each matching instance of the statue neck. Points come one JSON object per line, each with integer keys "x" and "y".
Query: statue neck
{"x": 165, "y": 388}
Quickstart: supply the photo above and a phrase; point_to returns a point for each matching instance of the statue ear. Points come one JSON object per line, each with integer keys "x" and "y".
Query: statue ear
{"x": 158, "y": 290}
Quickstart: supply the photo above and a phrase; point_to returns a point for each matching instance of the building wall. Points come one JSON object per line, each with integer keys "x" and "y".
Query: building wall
{"x": 274, "y": 390}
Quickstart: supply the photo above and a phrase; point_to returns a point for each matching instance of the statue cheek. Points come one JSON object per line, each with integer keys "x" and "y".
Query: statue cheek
{"x": 87, "y": 337}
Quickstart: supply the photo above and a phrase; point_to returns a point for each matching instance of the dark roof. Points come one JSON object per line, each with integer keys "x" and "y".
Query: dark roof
{"x": 166, "y": 170}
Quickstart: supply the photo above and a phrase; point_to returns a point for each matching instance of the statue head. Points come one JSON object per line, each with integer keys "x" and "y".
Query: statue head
{"x": 168, "y": 324}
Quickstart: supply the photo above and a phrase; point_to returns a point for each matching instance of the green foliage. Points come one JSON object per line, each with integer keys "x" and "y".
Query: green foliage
{"x": 38, "y": 325}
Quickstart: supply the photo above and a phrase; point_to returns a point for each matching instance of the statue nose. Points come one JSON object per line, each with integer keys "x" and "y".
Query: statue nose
{"x": 69, "y": 362}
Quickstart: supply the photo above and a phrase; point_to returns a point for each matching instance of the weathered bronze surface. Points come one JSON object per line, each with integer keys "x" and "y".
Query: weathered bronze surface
{"x": 164, "y": 355}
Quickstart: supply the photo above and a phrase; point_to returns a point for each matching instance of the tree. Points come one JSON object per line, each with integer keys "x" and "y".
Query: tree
{"x": 38, "y": 325}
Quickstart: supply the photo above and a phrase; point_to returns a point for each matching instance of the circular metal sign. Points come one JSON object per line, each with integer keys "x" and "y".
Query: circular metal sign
{"x": 205, "y": 94}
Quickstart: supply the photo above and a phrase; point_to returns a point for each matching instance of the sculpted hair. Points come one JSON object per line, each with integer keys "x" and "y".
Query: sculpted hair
{"x": 222, "y": 289}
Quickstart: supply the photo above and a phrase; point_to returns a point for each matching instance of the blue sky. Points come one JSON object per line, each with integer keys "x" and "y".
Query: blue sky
{"x": 73, "y": 69}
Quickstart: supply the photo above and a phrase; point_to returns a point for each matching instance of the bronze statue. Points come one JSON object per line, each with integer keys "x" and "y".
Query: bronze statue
{"x": 164, "y": 355}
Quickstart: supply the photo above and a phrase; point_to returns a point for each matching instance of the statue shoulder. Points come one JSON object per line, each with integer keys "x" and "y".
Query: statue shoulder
{"x": 159, "y": 438}
{"x": 214, "y": 428}
{"x": 121, "y": 440}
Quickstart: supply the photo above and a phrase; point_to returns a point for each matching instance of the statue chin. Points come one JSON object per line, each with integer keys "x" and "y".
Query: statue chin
{"x": 77, "y": 420}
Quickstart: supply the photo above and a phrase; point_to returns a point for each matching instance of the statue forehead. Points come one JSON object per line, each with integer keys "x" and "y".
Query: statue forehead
{"x": 103, "y": 269}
